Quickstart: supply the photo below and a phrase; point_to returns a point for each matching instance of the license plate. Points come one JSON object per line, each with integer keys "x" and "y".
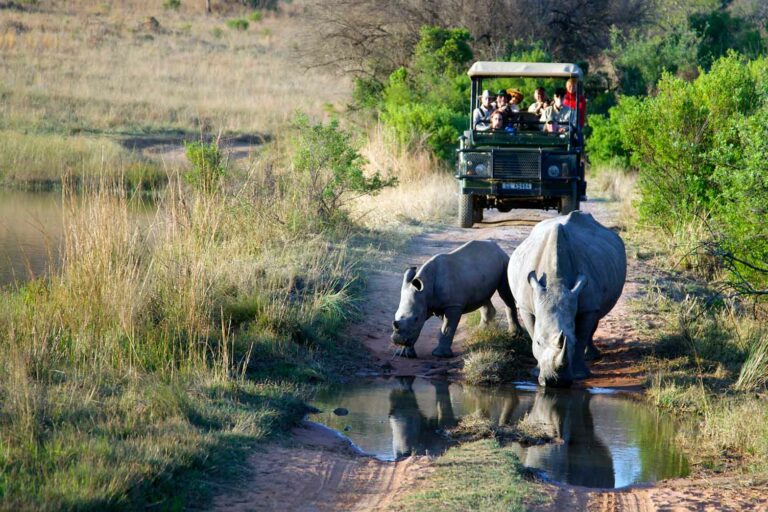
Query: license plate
{"x": 517, "y": 186}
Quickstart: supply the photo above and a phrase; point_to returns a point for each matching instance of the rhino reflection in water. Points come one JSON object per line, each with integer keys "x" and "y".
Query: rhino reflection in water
{"x": 581, "y": 458}
{"x": 413, "y": 433}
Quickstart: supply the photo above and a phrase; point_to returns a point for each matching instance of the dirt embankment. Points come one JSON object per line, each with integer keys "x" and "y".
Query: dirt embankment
{"x": 321, "y": 471}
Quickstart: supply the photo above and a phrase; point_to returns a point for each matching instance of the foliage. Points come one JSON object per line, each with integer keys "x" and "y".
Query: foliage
{"x": 408, "y": 100}
{"x": 329, "y": 167}
{"x": 640, "y": 60}
{"x": 238, "y": 24}
{"x": 256, "y": 16}
{"x": 700, "y": 148}
{"x": 605, "y": 145}
{"x": 208, "y": 168}
{"x": 720, "y": 31}
{"x": 172, "y": 4}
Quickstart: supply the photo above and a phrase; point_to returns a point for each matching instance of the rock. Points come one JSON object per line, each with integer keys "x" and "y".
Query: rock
{"x": 347, "y": 428}
{"x": 340, "y": 411}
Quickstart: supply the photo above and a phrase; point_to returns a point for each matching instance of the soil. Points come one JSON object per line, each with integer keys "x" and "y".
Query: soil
{"x": 320, "y": 470}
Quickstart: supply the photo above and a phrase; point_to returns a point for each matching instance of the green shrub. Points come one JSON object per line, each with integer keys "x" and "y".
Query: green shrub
{"x": 172, "y": 4}
{"x": 238, "y": 24}
{"x": 326, "y": 160}
{"x": 217, "y": 33}
{"x": 605, "y": 144}
{"x": 256, "y": 16}
{"x": 208, "y": 167}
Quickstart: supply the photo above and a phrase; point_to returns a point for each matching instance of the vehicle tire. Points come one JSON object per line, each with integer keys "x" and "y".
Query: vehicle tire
{"x": 477, "y": 213}
{"x": 466, "y": 210}
{"x": 568, "y": 204}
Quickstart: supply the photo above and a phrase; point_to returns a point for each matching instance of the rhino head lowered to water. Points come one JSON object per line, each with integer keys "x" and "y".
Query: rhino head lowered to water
{"x": 447, "y": 286}
{"x": 566, "y": 276}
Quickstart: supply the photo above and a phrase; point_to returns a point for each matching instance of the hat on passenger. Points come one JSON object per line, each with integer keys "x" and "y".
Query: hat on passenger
{"x": 516, "y": 94}
{"x": 502, "y": 92}
{"x": 486, "y": 94}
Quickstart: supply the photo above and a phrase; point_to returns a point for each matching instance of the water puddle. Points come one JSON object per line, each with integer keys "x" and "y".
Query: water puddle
{"x": 604, "y": 439}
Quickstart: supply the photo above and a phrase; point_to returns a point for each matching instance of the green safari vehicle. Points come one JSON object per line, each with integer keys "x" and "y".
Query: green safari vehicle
{"x": 523, "y": 166}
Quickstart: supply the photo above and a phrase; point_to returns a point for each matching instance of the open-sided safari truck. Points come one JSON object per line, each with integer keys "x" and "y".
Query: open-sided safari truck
{"x": 523, "y": 166}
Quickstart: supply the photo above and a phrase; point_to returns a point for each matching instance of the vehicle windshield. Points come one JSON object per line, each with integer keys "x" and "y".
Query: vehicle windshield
{"x": 527, "y": 107}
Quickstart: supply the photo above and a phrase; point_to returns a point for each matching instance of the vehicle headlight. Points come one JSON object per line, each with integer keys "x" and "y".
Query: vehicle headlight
{"x": 476, "y": 164}
{"x": 553, "y": 171}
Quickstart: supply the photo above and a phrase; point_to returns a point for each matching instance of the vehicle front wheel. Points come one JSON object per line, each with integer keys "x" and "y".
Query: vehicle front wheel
{"x": 466, "y": 211}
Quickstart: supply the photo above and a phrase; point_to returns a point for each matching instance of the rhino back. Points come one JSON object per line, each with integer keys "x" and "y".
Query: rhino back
{"x": 468, "y": 276}
{"x": 564, "y": 247}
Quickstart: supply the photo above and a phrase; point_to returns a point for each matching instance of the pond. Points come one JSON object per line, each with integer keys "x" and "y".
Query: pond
{"x": 603, "y": 439}
{"x": 31, "y": 229}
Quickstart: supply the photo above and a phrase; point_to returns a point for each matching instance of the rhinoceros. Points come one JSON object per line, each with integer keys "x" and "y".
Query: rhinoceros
{"x": 447, "y": 286}
{"x": 565, "y": 277}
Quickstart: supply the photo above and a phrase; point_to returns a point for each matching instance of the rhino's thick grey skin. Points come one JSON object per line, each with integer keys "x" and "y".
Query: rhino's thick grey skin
{"x": 447, "y": 286}
{"x": 565, "y": 277}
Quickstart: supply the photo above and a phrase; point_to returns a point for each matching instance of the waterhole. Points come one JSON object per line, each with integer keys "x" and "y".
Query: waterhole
{"x": 600, "y": 438}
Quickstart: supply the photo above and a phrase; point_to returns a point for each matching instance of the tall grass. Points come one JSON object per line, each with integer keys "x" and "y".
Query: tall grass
{"x": 161, "y": 342}
{"x": 426, "y": 190}
{"x": 706, "y": 356}
{"x": 42, "y": 161}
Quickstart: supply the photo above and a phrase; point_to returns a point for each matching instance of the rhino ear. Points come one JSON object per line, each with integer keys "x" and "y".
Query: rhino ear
{"x": 409, "y": 275}
{"x": 581, "y": 282}
{"x": 418, "y": 284}
{"x": 535, "y": 284}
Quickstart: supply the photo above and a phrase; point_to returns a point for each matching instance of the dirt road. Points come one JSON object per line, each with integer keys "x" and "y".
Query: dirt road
{"x": 320, "y": 471}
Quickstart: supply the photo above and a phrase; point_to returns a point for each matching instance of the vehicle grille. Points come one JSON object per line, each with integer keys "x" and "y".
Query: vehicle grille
{"x": 516, "y": 165}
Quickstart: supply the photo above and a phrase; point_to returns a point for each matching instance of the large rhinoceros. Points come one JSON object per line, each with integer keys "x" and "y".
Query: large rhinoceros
{"x": 565, "y": 277}
{"x": 447, "y": 286}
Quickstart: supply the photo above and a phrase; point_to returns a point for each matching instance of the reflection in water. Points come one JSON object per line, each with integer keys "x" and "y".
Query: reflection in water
{"x": 606, "y": 440}
{"x": 581, "y": 458}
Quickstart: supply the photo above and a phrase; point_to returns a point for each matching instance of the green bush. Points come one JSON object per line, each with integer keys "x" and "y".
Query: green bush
{"x": 238, "y": 24}
{"x": 208, "y": 167}
{"x": 700, "y": 147}
{"x": 172, "y": 4}
{"x": 605, "y": 144}
{"x": 327, "y": 162}
{"x": 256, "y": 16}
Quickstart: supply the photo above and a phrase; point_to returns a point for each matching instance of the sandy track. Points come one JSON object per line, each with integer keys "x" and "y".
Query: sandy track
{"x": 320, "y": 471}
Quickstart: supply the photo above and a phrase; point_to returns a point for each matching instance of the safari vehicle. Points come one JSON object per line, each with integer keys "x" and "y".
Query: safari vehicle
{"x": 527, "y": 167}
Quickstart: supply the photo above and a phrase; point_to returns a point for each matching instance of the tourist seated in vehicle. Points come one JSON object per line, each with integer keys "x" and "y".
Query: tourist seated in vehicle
{"x": 481, "y": 117}
{"x": 570, "y": 100}
{"x": 515, "y": 98}
{"x": 498, "y": 122}
{"x": 558, "y": 118}
{"x": 541, "y": 101}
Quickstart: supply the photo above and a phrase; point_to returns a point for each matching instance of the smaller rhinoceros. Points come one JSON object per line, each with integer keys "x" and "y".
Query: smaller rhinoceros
{"x": 449, "y": 285}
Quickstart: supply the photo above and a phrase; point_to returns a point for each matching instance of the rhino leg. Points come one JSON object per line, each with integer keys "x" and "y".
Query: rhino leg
{"x": 487, "y": 313}
{"x": 591, "y": 352}
{"x": 510, "y": 307}
{"x": 450, "y": 323}
{"x": 586, "y": 324}
{"x": 407, "y": 351}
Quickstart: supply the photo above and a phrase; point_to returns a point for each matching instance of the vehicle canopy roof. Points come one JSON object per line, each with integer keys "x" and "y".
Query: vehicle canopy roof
{"x": 525, "y": 69}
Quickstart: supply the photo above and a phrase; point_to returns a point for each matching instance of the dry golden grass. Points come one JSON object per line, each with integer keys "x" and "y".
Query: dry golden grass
{"x": 426, "y": 189}
{"x": 94, "y": 66}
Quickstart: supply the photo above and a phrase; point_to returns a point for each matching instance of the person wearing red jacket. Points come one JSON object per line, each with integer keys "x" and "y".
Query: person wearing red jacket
{"x": 570, "y": 100}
